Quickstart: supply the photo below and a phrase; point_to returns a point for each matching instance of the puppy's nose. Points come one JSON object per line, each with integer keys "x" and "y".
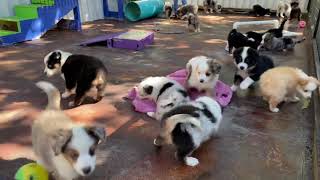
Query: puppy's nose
{"x": 241, "y": 67}
{"x": 201, "y": 80}
{"x": 86, "y": 170}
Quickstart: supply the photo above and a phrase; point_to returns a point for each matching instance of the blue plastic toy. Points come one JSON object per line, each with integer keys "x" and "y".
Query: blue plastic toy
{"x": 33, "y": 20}
{"x": 113, "y": 14}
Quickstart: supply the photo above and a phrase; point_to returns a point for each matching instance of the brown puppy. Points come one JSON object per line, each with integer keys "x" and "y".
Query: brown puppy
{"x": 283, "y": 83}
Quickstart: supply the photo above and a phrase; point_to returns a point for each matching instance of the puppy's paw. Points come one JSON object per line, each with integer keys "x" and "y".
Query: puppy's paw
{"x": 191, "y": 161}
{"x": 71, "y": 104}
{"x": 234, "y": 88}
{"x": 66, "y": 94}
{"x": 274, "y": 110}
{"x": 151, "y": 114}
{"x": 243, "y": 86}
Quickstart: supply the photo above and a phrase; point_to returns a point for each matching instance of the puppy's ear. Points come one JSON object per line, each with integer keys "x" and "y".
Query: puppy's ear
{"x": 215, "y": 67}
{"x": 189, "y": 71}
{"x": 148, "y": 89}
{"x": 56, "y": 55}
{"x": 59, "y": 140}
{"x": 303, "y": 82}
{"x": 98, "y": 133}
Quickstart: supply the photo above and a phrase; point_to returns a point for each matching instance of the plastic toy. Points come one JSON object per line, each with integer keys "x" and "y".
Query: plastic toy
{"x": 302, "y": 24}
{"x": 33, "y": 20}
{"x": 138, "y": 10}
{"x": 132, "y": 39}
{"x": 223, "y": 94}
{"x": 275, "y": 23}
{"x": 32, "y": 171}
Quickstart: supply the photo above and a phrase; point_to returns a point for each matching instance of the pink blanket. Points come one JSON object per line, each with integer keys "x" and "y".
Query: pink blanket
{"x": 223, "y": 93}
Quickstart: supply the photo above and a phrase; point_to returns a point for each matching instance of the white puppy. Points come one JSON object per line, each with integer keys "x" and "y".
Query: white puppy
{"x": 284, "y": 9}
{"x": 63, "y": 148}
{"x": 188, "y": 125}
{"x": 162, "y": 91}
{"x": 203, "y": 74}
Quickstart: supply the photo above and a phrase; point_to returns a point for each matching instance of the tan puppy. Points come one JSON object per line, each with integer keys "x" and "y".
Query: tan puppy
{"x": 283, "y": 83}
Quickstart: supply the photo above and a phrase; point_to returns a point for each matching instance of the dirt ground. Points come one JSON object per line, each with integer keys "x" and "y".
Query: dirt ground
{"x": 253, "y": 144}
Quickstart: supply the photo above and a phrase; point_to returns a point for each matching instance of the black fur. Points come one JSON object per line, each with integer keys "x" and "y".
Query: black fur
{"x": 295, "y": 11}
{"x": 164, "y": 88}
{"x": 237, "y": 40}
{"x": 80, "y": 71}
{"x": 183, "y": 109}
{"x": 148, "y": 89}
{"x": 183, "y": 92}
{"x": 278, "y": 32}
{"x": 207, "y": 113}
{"x": 183, "y": 141}
{"x": 260, "y": 11}
{"x": 254, "y": 35}
{"x": 54, "y": 59}
{"x": 257, "y": 64}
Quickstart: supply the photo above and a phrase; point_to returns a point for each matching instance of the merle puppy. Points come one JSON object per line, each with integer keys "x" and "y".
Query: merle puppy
{"x": 250, "y": 66}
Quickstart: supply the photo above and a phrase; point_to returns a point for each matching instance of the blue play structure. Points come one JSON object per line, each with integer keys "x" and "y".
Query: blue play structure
{"x": 33, "y": 20}
{"x": 113, "y": 14}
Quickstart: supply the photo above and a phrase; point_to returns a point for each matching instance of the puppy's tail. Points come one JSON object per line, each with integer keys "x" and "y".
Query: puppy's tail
{"x": 283, "y": 23}
{"x": 171, "y": 122}
{"x": 52, "y": 93}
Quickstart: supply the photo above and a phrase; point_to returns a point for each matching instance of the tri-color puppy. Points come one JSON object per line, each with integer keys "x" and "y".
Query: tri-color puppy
{"x": 210, "y": 6}
{"x": 250, "y": 66}
{"x": 65, "y": 149}
{"x": 188, "y": 125}
{"x": 203, "y": 74}
{"x": 284, "y": 83}
{"x": 81, "y": 73}
{"x": 184, "y": 10}
{"x": 162, "y": 91}
{"x": 237, "y": 40}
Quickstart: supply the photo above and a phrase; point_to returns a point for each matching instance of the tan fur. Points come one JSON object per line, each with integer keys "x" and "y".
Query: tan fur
{"x": 282, "y": 84}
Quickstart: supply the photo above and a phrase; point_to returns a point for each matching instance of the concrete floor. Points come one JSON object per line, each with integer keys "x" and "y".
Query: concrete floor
{"x": 253, "y": 144}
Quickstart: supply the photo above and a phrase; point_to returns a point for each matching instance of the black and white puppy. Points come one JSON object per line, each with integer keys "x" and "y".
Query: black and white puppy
{"x": 165, "y": 92}
{"x": 203, "y": 74}
{"x": 210, "y": 5}
{"x": 295, "y": 11}
{"x": 258, "y": 10}
{"x": 193, "y": 23}
{"x": 185, "y": 10}
{"x": 168, "y": 9}
{"x": 188, "y": 125}
{"x": 81, "y": 74}
{"x": 237, "y": 40}
{"x": 250, "y": 66}
{"x": 271, "y": 43}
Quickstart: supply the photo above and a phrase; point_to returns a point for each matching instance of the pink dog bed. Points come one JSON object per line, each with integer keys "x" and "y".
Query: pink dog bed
{"x": 223, "y": 93}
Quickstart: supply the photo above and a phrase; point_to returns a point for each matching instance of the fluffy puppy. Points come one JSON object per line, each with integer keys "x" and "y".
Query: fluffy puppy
{"x": 193, "y": 23}
{"x": 203, "y": 74}
{"x": 295, "y": 11}
{"x": 189, "y": 125}
{"x": 237, "y": 40}
{"x": 81, "y": 74}
{"x": 168, "y": 9}
{"x": 63, "y": 148}
{"x": 284, "y": 83}
{"x": 284, "y": 9}
{"x": 162, "y": 89}
{"x": 272, "y": 43}
{"x": 258, "y": 10}
{"x": 184, "y": 10}
{"x": 250, "y": 66}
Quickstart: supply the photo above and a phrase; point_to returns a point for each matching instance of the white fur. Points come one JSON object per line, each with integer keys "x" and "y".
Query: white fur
{"x": 246, "y": 83}
{"x": 51, "y": 72}
{"x": 191, "y": 161}
{"x": 244, "y": 55}
{"x": 281, "y": 9}
{"x": 200, "y": 67}
{"x": 234, "y": 87}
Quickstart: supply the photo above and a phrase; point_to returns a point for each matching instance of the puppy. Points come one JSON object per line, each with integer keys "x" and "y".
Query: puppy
{"x": 168, "y": 9}
{"x": 278, "y": 32}
{"x": 203, "y": 74}
{"x": 284, "y": 9}
{"x": 250, "y": 66}
{"x": 258, "y": 10}
{"x": 63, "y": 148}
{"x": 210, "y": 6}
{"x": 189, "y": 125}
{"x": 295, "y": 11}
{"x": 161, "y": 89}
{"x": 284, "y": 83}
{"x": 193, "y": 23}
{"x": 272, "y": 43}
{"x": 237, "y": 40}
{"x": 185, "y": 10}
{"x": 81, "y": 74}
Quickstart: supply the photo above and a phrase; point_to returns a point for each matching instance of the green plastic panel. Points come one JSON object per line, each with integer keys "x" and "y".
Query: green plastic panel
{"x": 11, "y": 23}
{"x": 27, "y": 11}
{"x": 43, "y": 2}
{"x": 5, "y": 33}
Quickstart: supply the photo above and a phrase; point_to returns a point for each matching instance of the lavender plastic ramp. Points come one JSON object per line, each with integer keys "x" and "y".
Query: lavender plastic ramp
{"x": 101, "y": 40}
{"x": 133, "y": 39}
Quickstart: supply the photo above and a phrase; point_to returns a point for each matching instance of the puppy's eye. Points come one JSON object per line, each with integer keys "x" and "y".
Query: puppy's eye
{"x": 306, "y": 90}
{"x": 73, "y": 154}
{"x": 92, "y": 151}
{"x": 208, "y": 74}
